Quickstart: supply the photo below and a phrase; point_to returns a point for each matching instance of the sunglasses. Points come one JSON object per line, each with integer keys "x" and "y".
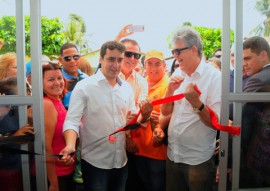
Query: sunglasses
{"x": 68, "y": 58}
{"x": 178, "y": 51}
{"x": 130, "y": 54}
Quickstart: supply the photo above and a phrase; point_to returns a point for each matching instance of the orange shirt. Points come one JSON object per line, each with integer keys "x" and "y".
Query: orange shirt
{"x": 143, "y": 136}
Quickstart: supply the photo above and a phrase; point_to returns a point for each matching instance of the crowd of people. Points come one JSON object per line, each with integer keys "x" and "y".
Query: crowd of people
{"x": 174, "y": 146}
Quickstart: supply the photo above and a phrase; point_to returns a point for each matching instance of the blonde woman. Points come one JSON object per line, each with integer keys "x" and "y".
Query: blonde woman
{"x": 85, "y": 66}
{"x": 8, "y": 65}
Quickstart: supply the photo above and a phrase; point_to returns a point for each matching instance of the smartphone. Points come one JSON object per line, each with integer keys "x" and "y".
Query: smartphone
{"x": 136, "y": 28}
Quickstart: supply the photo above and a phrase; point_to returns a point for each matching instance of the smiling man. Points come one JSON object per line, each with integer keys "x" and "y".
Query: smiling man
{"x": 191, "y": 137}
{"x": 100, "y": 105}
{"x": 150, "y": 159}
{"x": 140, "y": 89}
{"x": 69, "y": 58}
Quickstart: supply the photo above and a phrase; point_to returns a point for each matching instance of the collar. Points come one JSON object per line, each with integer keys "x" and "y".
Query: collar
{"x": 165, "y": 78}
{"x": 266, "y": 65}
{"x": 198, "y": 71}
{"x": 69, "y": 77}
{"x": 100, "y": 77}
{"x": 131, "y": 76}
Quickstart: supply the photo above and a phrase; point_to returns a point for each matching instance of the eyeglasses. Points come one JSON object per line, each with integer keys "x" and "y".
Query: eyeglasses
{"x": 178, "y": 51}
{"x": 68, "y": 58}
{"x": 130, "y": 54}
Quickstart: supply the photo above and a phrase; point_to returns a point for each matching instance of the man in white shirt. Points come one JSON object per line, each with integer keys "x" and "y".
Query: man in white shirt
{"x": 140, "y": 89}
{"x": 102, "y": 103}
{"x": 191, "y": 136}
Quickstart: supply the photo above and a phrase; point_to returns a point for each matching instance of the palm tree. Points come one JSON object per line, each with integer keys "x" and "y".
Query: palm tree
{"x": 75, "y": 32}
{"x": 263, "y": 29}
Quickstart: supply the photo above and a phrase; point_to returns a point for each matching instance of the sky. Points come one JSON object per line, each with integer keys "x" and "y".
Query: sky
{"x": 105, "y": 18}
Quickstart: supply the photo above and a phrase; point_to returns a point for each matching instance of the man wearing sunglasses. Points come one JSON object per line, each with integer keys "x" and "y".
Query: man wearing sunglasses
{"x": 140, "y": 89}
{"x": 69, "y": 58}
{"x": 190, "y": 161}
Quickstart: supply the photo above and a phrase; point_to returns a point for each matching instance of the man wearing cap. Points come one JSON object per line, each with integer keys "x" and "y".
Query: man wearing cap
{"x": 190, "y": 163}
{"x": 150, "y": 158}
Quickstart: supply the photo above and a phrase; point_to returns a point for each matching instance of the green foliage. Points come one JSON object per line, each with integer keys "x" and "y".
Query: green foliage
{"x": 75, "y": 32}
{"x": 263, "y": 29}
{"x": 211, "y": 38}
{"x": 52, "y": 37}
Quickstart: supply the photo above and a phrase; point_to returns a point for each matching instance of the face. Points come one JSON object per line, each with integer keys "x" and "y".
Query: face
{"x": 253, "y": 63}
{"x": 70, "y": 61}
{"x": 155, "y": 69}
{"x": 130, "y": 63}
{"x": 232, "y": 59}
{"x": 111, "y": 64}
{"x": 184, "y": 57}
{"x": 12, "y": 69}
{"x": 53, "y": 83}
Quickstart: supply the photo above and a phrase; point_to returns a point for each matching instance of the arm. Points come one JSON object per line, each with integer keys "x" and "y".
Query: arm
{"x": 123, "y": 33}
{"x": 50, "y": 120}
{"x": 175, "y": 82}
{"x": 144, "y": 91}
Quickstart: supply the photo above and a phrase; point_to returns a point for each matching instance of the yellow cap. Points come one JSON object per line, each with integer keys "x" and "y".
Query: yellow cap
{"x": 154, "y": 54}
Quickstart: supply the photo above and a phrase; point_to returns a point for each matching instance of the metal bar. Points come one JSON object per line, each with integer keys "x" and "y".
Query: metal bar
{"x": 38, "y": 114}
{"x": 21, "y": 81}
{"x": 249, "y": 97}
{"x": 225, "y": 69}
{"x": 16, "y": 100}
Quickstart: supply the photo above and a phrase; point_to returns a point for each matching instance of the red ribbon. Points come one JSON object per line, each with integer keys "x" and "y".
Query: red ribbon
{"x": 234, "y": 130}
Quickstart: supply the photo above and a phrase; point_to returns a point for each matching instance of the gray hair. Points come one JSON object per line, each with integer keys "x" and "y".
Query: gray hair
{"x": 190, "y": 37}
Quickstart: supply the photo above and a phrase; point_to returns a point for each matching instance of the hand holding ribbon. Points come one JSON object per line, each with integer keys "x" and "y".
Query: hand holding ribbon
{"x": 234, "y": 130}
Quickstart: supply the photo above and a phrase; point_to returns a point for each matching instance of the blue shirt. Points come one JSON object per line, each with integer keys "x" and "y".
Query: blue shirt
{"x": 81, "y": 76}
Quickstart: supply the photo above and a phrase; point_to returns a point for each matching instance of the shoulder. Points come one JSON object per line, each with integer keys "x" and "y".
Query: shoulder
{"x": 141, "y": 79}
{"x": 48, "y": 104}
{"x": 255, "y": 82}
{"x": 125, "y": 86}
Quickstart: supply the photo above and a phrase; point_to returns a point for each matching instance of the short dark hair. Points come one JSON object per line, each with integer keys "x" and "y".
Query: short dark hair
{"x": 111, "y": 45}
{"x": 257, "y": 44}
{"x": 128, "y": 40}
{"x": 67, "y": 46}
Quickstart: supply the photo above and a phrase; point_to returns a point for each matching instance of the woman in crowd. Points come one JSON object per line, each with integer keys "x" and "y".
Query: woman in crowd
{"x": 59, "y": 175}
{"x": 10, "y": 164}
{"x": 8, "y": 65}
{"x": 85, "y": 66}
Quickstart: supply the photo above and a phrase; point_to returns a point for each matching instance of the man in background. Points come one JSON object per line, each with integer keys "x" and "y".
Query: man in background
{"x": 255, "y": 134}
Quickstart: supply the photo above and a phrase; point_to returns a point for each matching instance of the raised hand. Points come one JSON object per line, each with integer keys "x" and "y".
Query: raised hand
{"x": 124, "y": 32}
{"x": 175, "y": 83}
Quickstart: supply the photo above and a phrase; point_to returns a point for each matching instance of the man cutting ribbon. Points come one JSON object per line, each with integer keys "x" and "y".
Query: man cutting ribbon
{"x": 191, "y": 134}
{"x": 101, "y": 103}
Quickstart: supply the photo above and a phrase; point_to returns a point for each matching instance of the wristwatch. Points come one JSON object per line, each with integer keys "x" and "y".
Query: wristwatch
{"x": 197, "y": 110}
